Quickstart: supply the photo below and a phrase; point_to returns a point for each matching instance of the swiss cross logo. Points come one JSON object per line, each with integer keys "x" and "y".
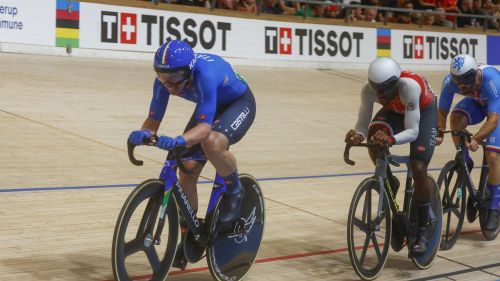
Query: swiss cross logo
{"x": 418, "y": 47}
{"x": 128, "y": 28}
{"x": 278, "y": 40}
{"x": 285, "y": 41}
{"x": 413, "y": 47}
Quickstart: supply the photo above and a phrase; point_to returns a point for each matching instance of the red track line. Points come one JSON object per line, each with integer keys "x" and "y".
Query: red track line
{"x": 272, "y": 259}
{"x": 264, "y": 260}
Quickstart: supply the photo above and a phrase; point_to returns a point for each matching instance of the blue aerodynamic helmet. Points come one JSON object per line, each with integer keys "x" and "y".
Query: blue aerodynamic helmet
{"x": 174, "y": 56}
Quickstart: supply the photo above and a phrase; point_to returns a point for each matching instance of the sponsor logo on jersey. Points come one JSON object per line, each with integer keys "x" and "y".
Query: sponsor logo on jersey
{"x": 240, "y": 119}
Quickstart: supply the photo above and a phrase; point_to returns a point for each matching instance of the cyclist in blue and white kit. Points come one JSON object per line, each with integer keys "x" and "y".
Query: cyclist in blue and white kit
{"x": 225, "y": 110}
{"x": 480, "y": 85}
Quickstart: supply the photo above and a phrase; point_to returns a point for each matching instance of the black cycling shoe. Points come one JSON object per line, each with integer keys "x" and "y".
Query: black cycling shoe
{"x": 180, "y": 260}
{"x": 492, "y": 223}
{"x": 231, "y": 204}
{"x": 427, "y": 225}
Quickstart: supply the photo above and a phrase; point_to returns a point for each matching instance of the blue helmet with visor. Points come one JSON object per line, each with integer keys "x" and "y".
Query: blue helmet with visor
{"x": 175, "y": 56}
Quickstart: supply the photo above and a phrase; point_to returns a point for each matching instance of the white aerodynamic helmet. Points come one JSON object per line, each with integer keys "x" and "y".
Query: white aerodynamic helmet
{"x": 463, "y": 69}
{"x": 383, "y": 76}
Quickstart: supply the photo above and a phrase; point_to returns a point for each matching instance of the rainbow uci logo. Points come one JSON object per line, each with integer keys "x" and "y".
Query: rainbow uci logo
{"x": 458, "y": 62}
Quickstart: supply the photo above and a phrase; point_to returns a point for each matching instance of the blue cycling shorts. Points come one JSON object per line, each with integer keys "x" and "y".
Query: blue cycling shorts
{"x": 476, "y": 112}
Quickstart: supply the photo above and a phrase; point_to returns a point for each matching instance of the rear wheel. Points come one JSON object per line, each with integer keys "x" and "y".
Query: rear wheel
{"x": 425, "y": 260}
{"x": 233, "y": 249}
{"x": 368, "y": 234}
{"x": 453, "y": 199}
{"x": 484, "y": 209}
{"x": 134, "y": 252}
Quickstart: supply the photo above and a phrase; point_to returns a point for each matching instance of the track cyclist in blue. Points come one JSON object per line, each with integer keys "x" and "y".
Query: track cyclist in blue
{"x": 480, "y": 84}
{"x": 225, "y": 110}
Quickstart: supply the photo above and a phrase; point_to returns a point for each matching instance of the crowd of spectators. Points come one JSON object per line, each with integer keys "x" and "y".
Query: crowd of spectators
{"x": 372, "y": 14}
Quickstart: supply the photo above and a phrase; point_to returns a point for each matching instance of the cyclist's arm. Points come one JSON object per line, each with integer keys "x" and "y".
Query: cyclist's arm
{"x": 410, "y": 96}
{"x": 206, "y": 86}
{"x": 157, "y": 108}
{"x": 365, "y": 111}
{"x": 448, "y": 90}
{"x": 491, "y": 85}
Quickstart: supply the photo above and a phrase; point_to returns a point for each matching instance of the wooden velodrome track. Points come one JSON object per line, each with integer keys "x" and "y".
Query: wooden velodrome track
{"x": 65, "y": 173}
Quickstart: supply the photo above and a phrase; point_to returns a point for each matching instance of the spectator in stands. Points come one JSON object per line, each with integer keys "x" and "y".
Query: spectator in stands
{"x": 271, "y": 7}
{"x": 429, "y": 19}
{"x": 332, "y": 11}
{"x": 449, "y": 6}
{"x": 198, "y": 3}
{"x": 227, "y": 4}
{"x": 356, "y": 13}
{"x": 370, "y": 14}
{"x": 313, "y": 10}
{"x": 406, "y": 16}
{"x": 489, "y": 10}
{"x": 441, "y": 20}
{"x": 466, "y": 8}
{"x": 424, "y": 4}
{"x": 247, "y": 6}
{"x": 477, "y": 9}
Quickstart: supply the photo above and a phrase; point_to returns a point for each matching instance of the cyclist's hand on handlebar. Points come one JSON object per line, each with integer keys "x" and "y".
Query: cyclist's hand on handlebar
{"x": 352, "y": 137}
{"x": 439, "y": 136}
{"x": 168, "y": 143}
{"x": 138, "y": 137}
{"x": 473, "y": 145}
{"x": 380, "y": 137}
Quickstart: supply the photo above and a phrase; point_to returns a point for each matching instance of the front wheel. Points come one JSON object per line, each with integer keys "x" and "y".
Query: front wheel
{"x": 134, "y": 253}
{"x": 453, "y": 198}
{"x": 425, "y": 260}
{"x": 368, "y": 231}
{"x": 232, "y": 250}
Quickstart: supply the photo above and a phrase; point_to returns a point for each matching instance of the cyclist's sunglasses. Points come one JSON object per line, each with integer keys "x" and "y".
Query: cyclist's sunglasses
{"x": 172, "y": 78}
{"x": 385, "y": 88}
{"x": 467, "y": 78}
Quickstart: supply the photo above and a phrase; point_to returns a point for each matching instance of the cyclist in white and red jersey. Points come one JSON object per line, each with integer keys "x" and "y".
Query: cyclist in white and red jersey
{"x": 408, "y": 115}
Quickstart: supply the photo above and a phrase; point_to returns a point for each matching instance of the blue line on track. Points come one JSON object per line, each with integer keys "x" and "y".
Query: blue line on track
{"x": 28, "y": 189}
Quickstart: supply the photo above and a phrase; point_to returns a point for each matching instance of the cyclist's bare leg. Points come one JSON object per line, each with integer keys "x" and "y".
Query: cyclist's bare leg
{"x": 423, "y": 184}
{"x": 373, "y": 155}
{"x": 216, "y": 149}
{"x": 493, "y": 160}
{"x": 458, "y": 121}
{"x": 188, "y": 182}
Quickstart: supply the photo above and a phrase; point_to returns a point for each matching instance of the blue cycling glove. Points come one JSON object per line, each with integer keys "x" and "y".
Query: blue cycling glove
{"x": 169, "y": 143}
{"x": 137, "y": 137}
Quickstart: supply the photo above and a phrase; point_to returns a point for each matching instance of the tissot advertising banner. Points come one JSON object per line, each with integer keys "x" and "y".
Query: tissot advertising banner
{"x": 417, "y": 47}
{"x": 133, "y": 29}
{"x": 27, "y": 21}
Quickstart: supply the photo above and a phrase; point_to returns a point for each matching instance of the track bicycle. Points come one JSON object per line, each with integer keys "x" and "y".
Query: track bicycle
{"x": 375, "y": 220}
{"x": 456, "y": 183}
{"x": 146, "y": 236}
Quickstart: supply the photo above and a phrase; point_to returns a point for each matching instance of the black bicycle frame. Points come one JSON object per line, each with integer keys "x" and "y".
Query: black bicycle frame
{"x": 463, "y": 171}
{"x": 384, "y": 158}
